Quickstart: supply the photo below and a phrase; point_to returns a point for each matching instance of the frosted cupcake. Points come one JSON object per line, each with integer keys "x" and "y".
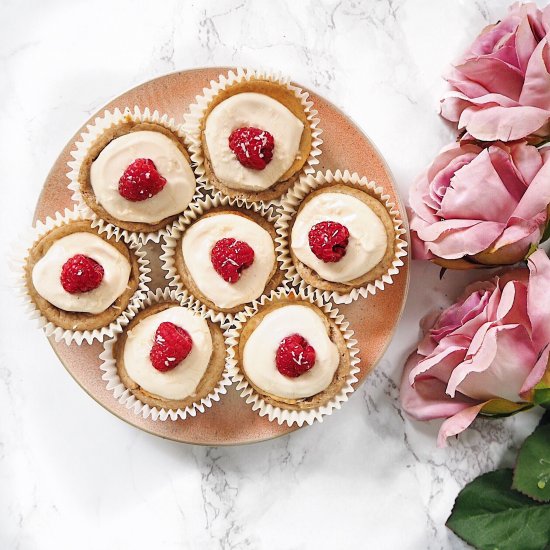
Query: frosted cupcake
{"x": 225, "y": 257}
{"x": 292, "y": 357}
{"x": 169, "y": 357}
{"x": 341, "y": 233}
{"x": 81, "y": 280}
{"x": 133, "y": 171}
{"x": 252, "y": 135}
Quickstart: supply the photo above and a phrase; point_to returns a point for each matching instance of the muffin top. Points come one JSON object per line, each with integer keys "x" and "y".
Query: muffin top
{"x": 142, "y": 176}
{"x": 252, "y": 140}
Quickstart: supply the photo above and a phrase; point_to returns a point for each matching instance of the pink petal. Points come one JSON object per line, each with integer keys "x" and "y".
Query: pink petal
{"x": 525, "y": 43}
{"x": 536, "y": 90}
{"x": 457, "y": 423}
{"x": 537, "y": 196}
{"x": 527, "y": 161}
{"x": 521, "y": 233}
{"x": 495, "y": 75}
{"x": 470, "y": 188}
{"x": 502, "y": 123}
{"x": 427, "y": 399}
{"x": 503, "y": 375}
{"x": 483, "y": 351}
{"x": 513, "y": 305}
{"x": 440, "y": 354}
{"x": 538, "y": 297}
{"x": 453, "y": 239}
{"x": 537, "y": 373}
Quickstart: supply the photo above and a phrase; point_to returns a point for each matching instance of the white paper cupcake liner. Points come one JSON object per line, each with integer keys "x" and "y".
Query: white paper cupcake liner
{"x": 258, "y": 403}
{"x": 192, "y": 121}
{"x": 128, "y": 399}
{"x": 87, "y": 139}
{"x": 289, "y": 207}
{"x": 196, "y": 210}
{"x": 19, "y": 262}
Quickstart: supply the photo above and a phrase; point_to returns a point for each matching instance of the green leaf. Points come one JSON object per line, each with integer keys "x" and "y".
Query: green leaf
{"x": 532, "y": 472}
{"x": 489, "y": 515}
{"x": 545, "y": 419}
{"x": 541, "y": 396}
{"x": 500, "y": 408}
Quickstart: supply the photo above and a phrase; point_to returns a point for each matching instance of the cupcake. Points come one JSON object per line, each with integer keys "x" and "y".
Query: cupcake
{"x": 252, "y": 134}
{"x": 132, "y": 171}
{"x": 169, "y": 358}
{"x": 81, "y": 281}
{"x": 291, "y": 357}
{"x": 225, "y": 257}
{"x": 340, "y": 235}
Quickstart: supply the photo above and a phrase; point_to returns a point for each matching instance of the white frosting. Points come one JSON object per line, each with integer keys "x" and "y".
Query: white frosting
{"x": 197, "y": 243}
{"x": 47, "y": 272}
{"x": 258, "y": 111}
{"x": 182, "y": 380}
{"x": 261, "y": 348}
{"x": 111, "y": 163}
{"x": 367, "y": 236}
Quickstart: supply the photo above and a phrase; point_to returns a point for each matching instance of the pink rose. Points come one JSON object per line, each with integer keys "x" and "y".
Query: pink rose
{"x": 501, "y": 85}
{"x": 485, "y": 353}
{"x": 477, "y": 205}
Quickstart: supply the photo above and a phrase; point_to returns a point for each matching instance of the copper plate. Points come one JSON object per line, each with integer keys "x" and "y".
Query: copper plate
{"x": 231, "y": 421}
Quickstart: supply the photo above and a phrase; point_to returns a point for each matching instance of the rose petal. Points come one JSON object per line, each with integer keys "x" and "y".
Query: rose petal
{"x": 497, "y": 123}
{"x": 457, "y": 423}
{"x": 527, "y": 161}
{"x": 536, "y": 374}
{"x": 426, "y": 363}
{"x": 470, "y": 186}
{"x": 427, "y": 399}
{"x": 538, "y": 297}
{"x": 536, "y": 90}
{"x": 499, "y": 371}
{"x": 453, "y": 239}
{"x": 537, "y": 196}
{"x": 493, "y": 74}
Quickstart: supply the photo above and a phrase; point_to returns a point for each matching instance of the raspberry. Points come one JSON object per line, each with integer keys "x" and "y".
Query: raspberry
{"x": 140, "y": 181}
{"x": 172, "y": 345}
{"x": 252, "y": 147}
{"x": 81, "y": 274}
{"x": 294, "y": 356}
{"x": 328, "y": 241}
{"x": 229, "y": 257}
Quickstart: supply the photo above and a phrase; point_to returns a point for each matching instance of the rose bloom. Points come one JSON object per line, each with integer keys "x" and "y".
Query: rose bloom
{"x": 477, "y": 205}
{"x": 501, "y": 85}
{"x": 485, "y": 353}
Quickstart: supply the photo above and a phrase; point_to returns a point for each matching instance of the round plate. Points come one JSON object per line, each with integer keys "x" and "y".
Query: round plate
{"x": 231, "y": 421}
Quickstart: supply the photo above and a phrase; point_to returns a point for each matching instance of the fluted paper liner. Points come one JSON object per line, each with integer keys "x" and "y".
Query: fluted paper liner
{"x": 125, "y": 397}
{"x": 80, "y": 151}
{"x": 279, "y": 414}
{"x": 289, "y": 207}
{"x": 196, "y": 210}
{"x": 50, "y": 329}
{"x": 192, "y": 121}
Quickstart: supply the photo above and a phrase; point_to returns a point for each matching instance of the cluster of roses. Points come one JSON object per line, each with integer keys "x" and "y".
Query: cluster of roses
{"x": 484, "y": 202}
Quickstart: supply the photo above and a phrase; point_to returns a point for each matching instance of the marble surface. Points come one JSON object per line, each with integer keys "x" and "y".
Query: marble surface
{"x": 72, "y": 475}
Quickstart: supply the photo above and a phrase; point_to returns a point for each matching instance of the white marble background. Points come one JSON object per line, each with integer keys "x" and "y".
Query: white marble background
{"x": 72, "y": 475}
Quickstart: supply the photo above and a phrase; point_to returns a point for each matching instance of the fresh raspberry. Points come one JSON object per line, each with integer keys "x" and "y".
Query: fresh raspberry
{"x": 328, "y": 241}
{"x": 172, "y": 345}
{"x": 81, "y": 274}
{"x": 294, "y": 356}
{"x": 140, "y": 181}
{"x": 253, "y": 147}
{"x": 230, "y": 257}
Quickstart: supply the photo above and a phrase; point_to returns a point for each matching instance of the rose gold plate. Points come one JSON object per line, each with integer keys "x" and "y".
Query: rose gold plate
{"x": 231, "y": 421}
